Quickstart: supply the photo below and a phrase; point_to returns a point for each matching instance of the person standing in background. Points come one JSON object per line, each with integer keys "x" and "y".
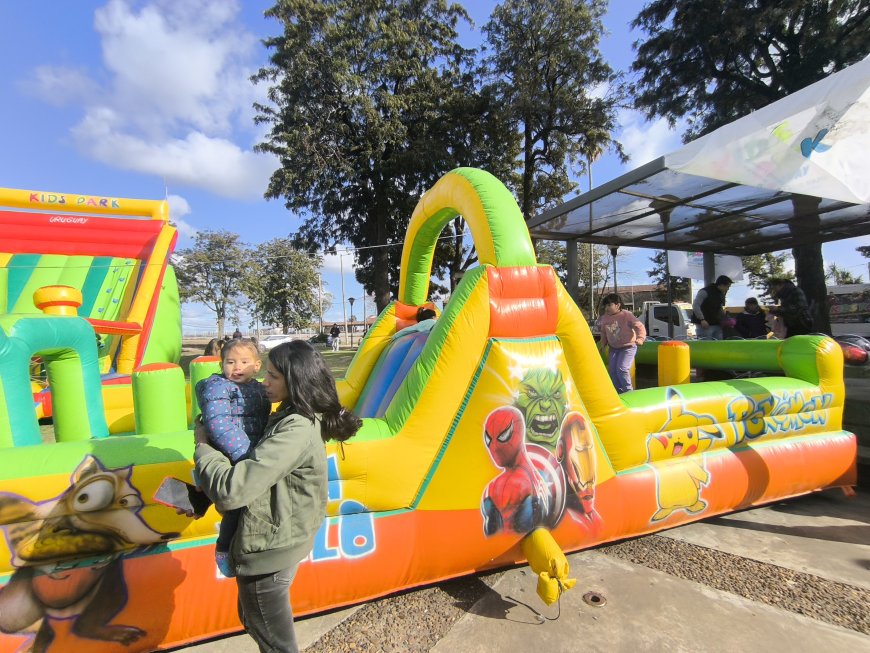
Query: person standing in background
{"x": 708, "y": 309}
{"x": 335, "y": 334}
{"x": 622, "y": 332}
{"x": 752, "y": 322}
{"x": 793, "y": 309}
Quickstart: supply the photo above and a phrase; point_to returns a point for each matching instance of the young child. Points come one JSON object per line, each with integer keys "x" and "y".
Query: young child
{"x": 235, "y": 410}
{"x": 622, "y": 332}
{"x": 752, "y": 322}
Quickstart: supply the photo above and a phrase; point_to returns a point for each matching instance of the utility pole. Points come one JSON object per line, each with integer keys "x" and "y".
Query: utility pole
{"x": 350, "y": 301}
{"x": 343, "y": 309}
{"x": 320, "y": 299}
{"x": 591, "y": 252}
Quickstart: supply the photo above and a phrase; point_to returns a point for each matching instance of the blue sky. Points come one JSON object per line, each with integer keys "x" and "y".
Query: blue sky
{"x": 145, "y": 99}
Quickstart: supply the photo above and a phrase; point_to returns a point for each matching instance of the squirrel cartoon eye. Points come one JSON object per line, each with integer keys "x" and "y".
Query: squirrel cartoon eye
{"x": 94, "y": 496}
{"x": 130, "y": 501}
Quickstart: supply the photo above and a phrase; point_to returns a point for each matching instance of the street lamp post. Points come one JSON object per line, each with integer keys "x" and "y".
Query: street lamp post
{"x": 341, "y": 267}
{"x": 350, "y": 300}
{"x": 319, "y": 300}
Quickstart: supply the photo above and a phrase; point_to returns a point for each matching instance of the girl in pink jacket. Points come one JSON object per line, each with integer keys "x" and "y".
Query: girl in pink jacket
{"x": 622, "y": 332}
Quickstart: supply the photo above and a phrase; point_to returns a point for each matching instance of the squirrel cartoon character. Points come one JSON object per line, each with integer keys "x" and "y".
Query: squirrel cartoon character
{"x": 679, "y": 474}
{"x": 516, "y": 499}
{"x": 96, "y": 517}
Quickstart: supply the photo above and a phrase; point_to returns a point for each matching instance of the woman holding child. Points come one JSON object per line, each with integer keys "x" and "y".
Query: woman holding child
{"x": 279, "y": 489}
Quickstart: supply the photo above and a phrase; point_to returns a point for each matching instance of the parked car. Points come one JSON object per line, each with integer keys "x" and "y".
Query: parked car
{"x": 654, "y": 316}
{"x": 267, "y": 342}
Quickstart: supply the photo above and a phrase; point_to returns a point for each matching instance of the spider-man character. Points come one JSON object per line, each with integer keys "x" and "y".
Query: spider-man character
{"x": 516, "y": 499}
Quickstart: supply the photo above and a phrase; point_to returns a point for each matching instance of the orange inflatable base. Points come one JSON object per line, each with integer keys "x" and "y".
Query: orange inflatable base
{"x": 172, "y": 596}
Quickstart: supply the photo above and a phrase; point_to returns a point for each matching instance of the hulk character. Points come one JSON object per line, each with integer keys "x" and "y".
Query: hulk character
{"x": 543, "y": 404}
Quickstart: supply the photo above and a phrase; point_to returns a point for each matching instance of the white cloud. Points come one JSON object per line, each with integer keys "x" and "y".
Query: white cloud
{"x": 60, "y": 85}
{"x": 197, "y": 314}
{"x": 181, "y": 63}
{"x": 178, "y": 208}
{"x": 177, "y": 102}
{"x": 644, "y": 141}
{"x": 334, "y": 262}
{"x": 214, "y": 164}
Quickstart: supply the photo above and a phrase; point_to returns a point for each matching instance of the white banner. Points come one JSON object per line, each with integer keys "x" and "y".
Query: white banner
{"x": 814, "y": 142}
{"x": 691, "y": 265}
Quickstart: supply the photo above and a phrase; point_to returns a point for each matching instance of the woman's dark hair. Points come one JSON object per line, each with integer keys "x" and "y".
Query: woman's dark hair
{"x": 424, "y": 313}
{"x": 311, "y": 389}
{"x": 213, "y": 348}
{"x": 612, "y": 298}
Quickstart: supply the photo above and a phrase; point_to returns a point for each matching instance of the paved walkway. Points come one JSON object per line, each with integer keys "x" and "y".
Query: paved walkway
{"x": 826, "y": 535}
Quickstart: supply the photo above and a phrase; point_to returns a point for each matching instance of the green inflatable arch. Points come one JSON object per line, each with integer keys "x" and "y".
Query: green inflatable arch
{"x": 491, "y": 212}
{"x": 68, "y": 348}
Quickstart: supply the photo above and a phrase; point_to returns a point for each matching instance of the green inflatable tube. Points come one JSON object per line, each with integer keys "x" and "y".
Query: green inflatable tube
{"x": 159, "y": 404}
{"x": 201, "y": 368}
{"x": 754, "y": 355}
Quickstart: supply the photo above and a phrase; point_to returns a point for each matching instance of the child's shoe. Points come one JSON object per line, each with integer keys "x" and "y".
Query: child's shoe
{"x": 222, "y": 559}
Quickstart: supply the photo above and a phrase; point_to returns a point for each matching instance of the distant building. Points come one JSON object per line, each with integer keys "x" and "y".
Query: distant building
{"x": 633, "y": 297}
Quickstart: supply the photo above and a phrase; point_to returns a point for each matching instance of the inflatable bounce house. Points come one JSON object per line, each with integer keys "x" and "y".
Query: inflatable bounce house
{"x": 105, "y": 259}
{"x": 491, "y": 438}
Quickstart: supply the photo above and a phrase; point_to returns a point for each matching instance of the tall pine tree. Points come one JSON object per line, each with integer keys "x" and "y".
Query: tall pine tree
{"x": 556, "y": 88}
{"x": 370, "y": 102}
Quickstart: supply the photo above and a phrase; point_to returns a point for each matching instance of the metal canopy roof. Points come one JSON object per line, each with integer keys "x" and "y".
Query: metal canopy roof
{"x": 660, "y": 208}
{"x": 732, "y": 191}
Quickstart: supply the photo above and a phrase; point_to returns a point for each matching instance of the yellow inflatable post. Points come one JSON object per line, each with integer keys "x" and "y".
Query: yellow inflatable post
{"x": 547, "y": 560}
{"x": 674, "y": 363}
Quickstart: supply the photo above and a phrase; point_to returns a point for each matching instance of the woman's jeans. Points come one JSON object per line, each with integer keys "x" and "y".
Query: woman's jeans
{"x": 264, "y": 609}
{"x": 714, "y": 332}
{"x": 619, "y": 367}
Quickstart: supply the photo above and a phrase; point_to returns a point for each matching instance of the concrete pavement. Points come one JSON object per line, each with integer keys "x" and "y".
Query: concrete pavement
{"x": 646, "y": 610}
{"x": 826, "y": 535}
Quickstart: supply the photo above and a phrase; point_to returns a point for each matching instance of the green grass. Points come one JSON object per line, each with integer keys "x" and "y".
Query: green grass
{"x": 338, "y": 361}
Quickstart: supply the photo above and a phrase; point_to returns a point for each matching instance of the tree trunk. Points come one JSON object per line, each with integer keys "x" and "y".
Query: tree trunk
{"x": 528, "y": 171}
{"x": 381, "y": 261}
{"x": 809, "y": 269}
{"x": 809, "y": 265}
{"x": 382, "y": 279}
{"x": 455, "y": 266}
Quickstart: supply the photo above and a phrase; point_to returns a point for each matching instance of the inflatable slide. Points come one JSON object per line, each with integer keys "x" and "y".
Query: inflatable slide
{"x": 113, "y": 253}
{"x": 486, "y": 439}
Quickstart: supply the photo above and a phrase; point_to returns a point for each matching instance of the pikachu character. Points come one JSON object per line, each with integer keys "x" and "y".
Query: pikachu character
{"x": 68, "y": 553}
{"x": 679, "y": 473}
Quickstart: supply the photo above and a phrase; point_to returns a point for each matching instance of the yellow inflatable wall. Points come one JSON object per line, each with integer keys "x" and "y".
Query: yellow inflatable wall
{"x": 486, "y": 438}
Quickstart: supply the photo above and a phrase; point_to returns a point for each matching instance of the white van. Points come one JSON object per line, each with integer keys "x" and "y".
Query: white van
{"x": 654, "y": 316}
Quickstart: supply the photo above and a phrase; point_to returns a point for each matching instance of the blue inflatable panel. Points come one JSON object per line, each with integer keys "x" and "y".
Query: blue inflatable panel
{"x": 418, "y": 340}
{"x": 387, "y": 374}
